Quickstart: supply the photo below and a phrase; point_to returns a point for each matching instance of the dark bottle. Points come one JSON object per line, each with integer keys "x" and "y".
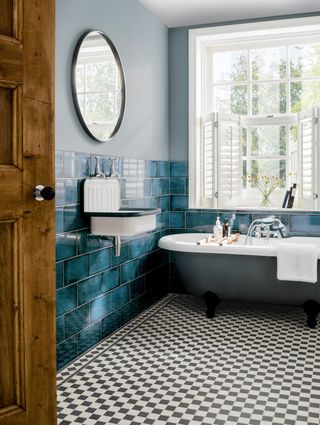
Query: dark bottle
{"x": 225, "y": 228}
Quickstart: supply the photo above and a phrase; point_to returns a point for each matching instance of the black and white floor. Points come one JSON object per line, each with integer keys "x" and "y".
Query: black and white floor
{"x": 172, "y": 365}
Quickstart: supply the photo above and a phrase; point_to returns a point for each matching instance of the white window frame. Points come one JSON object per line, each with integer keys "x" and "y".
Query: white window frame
{"x": 200, "y": 39}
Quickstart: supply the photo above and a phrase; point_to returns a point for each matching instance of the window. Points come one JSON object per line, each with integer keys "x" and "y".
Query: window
{"x": 254, "y": 92}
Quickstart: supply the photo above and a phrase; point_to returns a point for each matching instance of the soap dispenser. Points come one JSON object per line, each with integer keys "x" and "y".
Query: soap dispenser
{"x": 217, "y": 230}
{"x": 226, "y": 228}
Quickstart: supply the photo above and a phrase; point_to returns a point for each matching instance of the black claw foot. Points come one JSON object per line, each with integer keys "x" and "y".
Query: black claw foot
{"x": 312, "y": 309}
{"x": 211, "y": 300}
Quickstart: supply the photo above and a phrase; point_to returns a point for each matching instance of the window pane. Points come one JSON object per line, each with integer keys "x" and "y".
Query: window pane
{"x": 244, "y": 141}
{"x": 230, "y": 66}
{"x": 304, "y": 94}
{"x": 244, "y": 174}
{"x": 100, "y": 76}
{"x": 268, "y": 64}
{"x": 99, "y": 108}
{"x": 231, "y": 99}
{"x": 305, "y": 61}
{"x": 269, "y": 168}
{"x": 267, "y": 140}
{"x": 80, "y": 78}
{"x": 269, "y": 98}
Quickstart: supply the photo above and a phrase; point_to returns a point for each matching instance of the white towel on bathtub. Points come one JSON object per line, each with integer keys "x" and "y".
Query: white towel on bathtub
{"x": 297, "y": 262}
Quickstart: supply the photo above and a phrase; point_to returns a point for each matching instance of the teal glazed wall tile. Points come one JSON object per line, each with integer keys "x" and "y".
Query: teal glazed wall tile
{"x": 67, "y": 351}
{"x": 59, "y": 220}
{"x": 110, "y": 279}
{"x": 101, "y": 307}
{"x": 88, "y": 243}
{"x": 70, "y": 191}
{"x": 128, "y": 271}
{"x": 177, "y": 220}
{"x": 60, "y": 195}
{"x": 137, "y": 247}
{"x": 99, "y": 280}
{"x": 242, "y": 222}
{"x": 162, "y": 221}
{"x": 59, "y": 275}
{"x": 144, "y": 264}
{"x": 99, "y": 260}
{"x": 73, "y": 218}
{"x": 65, "y": 246}
{"x": 151, "y": 242}
{"x": 89, "y": 337}
{"x": 165, "y": 186}
{"x": 69, "y": 164}
{"x": 60, "y": 336}
{"x": 130, "y": 310}
{"x": 156, "y": 187}
{"x": 179, "y": 169}
{"x": 89, "y": 289}
{"x": 136, "y": 288}
{"x": 201, "y": 221}
{"x": 163, "y": 169}
{"x": 59, "y": 164}
{"x": 179, "y": 202}
{"x": 153, "y": 169}
{"x": 76, "y": 320}
{"x": 309, "y": 224}
{"x": 83, "y": 165}
{"x": 124, "y": 255}
{"x": 120, "y": 296}
{"x": 76, "y": 269}
{"x": 178, "y": 186}
{"x": 147, "y": 187}
{"x": 66, "y": 299}
{"x": 111, "y": 323}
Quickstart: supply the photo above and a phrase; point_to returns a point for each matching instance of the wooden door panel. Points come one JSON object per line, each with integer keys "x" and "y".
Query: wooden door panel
{"x": 11, "y": 320}
{"x": 27, "y": 236}
{"x": 7, "y": 317}
{"x": 11, "y": 60}
{"x": 6, "y": 17}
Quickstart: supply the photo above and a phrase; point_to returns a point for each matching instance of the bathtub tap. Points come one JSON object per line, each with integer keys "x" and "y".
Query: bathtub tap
{"x": 266, "y": 227}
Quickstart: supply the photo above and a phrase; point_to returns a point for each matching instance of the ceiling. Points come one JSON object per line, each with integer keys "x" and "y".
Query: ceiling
{"x": 176, "y": 13}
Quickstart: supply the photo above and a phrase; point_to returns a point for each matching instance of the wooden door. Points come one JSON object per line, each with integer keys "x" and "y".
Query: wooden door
{"x": 27, "y": 259}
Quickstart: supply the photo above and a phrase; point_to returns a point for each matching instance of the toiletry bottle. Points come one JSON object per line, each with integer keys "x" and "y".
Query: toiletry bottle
{"x": 226, "y": 228}
{"x": 217, "y": 230}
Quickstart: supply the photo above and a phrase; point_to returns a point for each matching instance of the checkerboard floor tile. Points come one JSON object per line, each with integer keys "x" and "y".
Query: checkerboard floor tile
{"x": 250, "y": 364}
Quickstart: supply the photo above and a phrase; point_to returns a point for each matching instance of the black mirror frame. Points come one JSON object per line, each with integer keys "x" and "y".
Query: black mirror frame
{"x": 74, "y": 90}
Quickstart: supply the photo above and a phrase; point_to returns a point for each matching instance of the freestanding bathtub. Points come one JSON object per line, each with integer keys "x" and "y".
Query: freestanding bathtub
{"x": 238, "y": 272}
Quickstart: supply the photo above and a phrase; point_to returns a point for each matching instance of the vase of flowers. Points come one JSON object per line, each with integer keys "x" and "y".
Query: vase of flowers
{"x": 266, "y": 185}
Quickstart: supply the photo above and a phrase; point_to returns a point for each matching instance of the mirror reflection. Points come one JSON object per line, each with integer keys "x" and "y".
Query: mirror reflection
{"x": 98, "y": 85}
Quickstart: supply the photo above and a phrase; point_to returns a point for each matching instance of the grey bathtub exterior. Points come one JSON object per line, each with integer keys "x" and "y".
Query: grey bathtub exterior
{"x": 241, "y": 278}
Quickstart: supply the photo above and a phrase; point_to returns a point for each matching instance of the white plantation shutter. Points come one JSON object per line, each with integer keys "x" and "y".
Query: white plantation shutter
{"x": 308, "y": 141}
{"x": 208, "y": 159}
{"x": 229, "y": 160}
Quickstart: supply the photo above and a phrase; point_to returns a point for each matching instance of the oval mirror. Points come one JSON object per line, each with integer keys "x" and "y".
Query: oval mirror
{"x": 98, "y": 86}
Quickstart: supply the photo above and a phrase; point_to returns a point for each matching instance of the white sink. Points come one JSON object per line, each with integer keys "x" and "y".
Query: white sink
{"x": 124, "y": 222}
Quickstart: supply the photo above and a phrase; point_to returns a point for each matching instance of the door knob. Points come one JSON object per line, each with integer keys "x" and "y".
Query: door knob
{"x": 42, "y": 193}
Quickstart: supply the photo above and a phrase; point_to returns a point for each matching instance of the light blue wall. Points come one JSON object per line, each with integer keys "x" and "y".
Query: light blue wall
{"x": 178, "y": 84}
{"x": 142, "y": 43}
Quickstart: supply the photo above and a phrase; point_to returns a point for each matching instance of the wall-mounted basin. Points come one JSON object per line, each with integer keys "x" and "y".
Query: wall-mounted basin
{"x": 123, "y": 222}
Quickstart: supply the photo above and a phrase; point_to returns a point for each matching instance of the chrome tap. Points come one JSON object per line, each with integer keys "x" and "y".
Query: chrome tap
{"x": 266, "y": 227}
{"x": 113, "y": 173}
{"x": 98, "y": 172}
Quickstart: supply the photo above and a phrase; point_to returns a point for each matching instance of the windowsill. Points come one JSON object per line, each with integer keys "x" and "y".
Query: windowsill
{"x": 259, "y": 209}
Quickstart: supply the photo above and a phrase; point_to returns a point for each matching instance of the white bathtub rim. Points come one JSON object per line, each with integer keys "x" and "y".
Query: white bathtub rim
{"x": 187, "y": 242}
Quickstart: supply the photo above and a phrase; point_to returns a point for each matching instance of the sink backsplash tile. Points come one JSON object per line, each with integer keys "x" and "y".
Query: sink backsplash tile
{"x": 96, "y": 291}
